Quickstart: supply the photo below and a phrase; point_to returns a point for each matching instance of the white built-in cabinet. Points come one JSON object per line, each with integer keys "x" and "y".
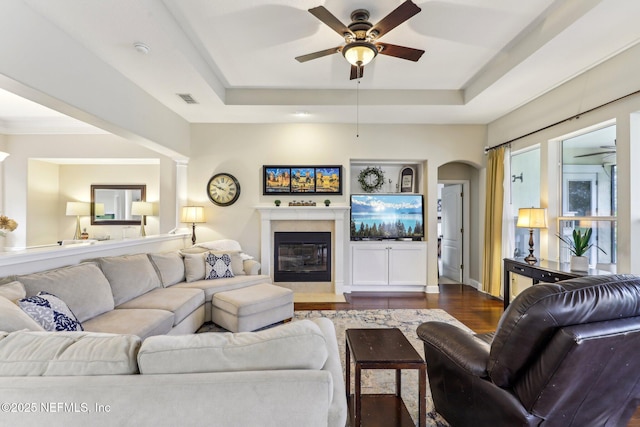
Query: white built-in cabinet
{"x": 388, "y": 265}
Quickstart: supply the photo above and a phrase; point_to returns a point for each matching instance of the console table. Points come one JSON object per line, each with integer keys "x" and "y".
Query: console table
{"x": 542, "y": 271}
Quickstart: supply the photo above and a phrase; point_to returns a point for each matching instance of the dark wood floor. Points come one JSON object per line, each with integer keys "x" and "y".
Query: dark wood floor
{"x": 477, "y": 310}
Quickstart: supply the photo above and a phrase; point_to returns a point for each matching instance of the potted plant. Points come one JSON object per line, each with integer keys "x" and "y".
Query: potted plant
{"x": 277, "y": 202}
{"x": 327, "y": 202}
{"x": 578, "y": 246}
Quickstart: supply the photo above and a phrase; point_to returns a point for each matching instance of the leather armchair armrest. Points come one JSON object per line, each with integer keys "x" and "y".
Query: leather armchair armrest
{"x": 460, "y": 347}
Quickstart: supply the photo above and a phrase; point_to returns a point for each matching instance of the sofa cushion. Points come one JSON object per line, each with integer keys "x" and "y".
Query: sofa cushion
{"x": 217, "y": 266}
{"x": 50, "y": 312}
{"x": 180, "y": 301}
{"x": 237, "y": 263}
{"x": 194, "y": 266}
{"x": 83, "y": 287}
{"x": 195, "y": 261}
{"x": 28, "y": 353}
{"x": 13, "y": 291}
{"x": 12, "y": 318}
{"x": 295, "y": 345}
{"x": 210, "y": 287}
{"x": 141, "y": 322}
{"x": 129, "y": 276}
{"x": 169, "y": 266}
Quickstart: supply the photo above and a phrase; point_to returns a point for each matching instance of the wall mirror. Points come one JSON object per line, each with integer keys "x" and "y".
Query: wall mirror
{"x": 111, "y": 204}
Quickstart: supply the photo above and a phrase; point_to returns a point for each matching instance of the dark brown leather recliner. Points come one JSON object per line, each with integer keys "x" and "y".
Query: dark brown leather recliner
{"x": 564, "y": 354}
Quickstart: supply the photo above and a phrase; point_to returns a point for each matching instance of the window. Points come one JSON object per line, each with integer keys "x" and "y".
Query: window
{"x": 525, "y": 193}
{"x": 589, "y": 189}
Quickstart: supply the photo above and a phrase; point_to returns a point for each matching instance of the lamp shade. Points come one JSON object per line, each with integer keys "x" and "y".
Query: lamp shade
{"x": 78, "y": 208}
{"x": 532, "y": 218}
{"x": 141, "y": 208}
{"x": 359, "y": 53}
{"x": 192, "y": 214}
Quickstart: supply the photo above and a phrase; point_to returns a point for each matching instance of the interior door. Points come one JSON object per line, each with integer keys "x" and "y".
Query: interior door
{"x": 451, "y": 244}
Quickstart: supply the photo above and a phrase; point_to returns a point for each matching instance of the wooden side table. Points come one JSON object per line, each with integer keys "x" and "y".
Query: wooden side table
{"x": 382, "y": 349}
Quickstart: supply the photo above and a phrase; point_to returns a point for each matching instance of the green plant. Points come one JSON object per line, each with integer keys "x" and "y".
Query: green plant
{"x": 327, "y": 202}
{"x": 579, "y": 245}
{"x": 277, "y": 202}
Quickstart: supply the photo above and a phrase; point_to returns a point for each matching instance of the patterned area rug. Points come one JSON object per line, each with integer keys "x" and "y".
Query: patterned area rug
{"x": 383, "y": 381}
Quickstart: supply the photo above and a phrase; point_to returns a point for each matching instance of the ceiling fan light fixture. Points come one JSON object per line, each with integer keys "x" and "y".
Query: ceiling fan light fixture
{"x": 359, "y": 53}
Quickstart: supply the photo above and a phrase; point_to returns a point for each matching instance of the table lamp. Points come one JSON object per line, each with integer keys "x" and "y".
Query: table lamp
{"x": 193, "y": 214}
{"x": 143, "y": 209}
{"x": 78, "y": 209}
{"x": 531, "y": 218}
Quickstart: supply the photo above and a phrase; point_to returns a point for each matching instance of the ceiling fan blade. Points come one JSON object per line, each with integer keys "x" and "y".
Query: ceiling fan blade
{"x": 400, "y": 51}
{"x": 403, "y": 12}
{"x": 320, "y": 54}
{"x": 594, "y": 154}
{"x": 356, "y": 72}
{"x": 329, "y": 19}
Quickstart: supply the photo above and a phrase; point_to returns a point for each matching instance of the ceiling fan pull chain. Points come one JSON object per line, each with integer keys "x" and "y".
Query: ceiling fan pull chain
{"x": 358, "y": 108}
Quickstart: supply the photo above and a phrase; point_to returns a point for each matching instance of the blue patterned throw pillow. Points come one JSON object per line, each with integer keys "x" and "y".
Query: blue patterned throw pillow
{"x": 50, "y": 312}
{"x": 217, "y": 266}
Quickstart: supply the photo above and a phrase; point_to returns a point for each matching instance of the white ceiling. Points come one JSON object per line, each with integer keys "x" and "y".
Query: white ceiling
{"x": 483, "y": 58}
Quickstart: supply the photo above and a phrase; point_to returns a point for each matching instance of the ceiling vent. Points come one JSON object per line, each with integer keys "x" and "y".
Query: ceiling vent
{"x": 187, "y": 98}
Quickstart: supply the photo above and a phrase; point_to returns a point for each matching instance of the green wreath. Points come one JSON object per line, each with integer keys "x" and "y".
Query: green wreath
{"x": 371, "y": 179}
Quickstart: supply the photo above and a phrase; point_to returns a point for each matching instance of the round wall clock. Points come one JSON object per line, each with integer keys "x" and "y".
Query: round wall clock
{"x": 223, "y": 189}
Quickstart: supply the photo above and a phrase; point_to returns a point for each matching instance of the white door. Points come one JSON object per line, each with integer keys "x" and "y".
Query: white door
{"x": 451, "y": 244}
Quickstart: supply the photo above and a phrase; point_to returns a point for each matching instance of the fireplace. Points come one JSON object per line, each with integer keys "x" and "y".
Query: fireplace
{"x": 302, "y": 257}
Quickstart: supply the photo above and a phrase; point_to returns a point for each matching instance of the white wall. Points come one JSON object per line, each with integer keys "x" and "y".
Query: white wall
{"x": 43, "y": 213}
{"x": 75, "y": 185}
{"x": 607, "y": 82}
{"x": 29, "y": 181}
{"x": 243, "y": 149}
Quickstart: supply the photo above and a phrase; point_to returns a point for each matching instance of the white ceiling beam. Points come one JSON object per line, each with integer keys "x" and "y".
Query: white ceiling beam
{"x": 554, "y": 20}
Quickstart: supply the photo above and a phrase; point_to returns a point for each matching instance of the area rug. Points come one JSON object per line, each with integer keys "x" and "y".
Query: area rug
{"x": 383, "y": 381}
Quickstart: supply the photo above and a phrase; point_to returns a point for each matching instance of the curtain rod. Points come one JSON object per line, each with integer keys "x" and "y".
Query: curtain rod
{"x": 486, "y": 150}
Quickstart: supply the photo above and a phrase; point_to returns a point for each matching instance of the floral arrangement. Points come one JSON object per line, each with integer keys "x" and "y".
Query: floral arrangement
{"x": 7, "y": 224}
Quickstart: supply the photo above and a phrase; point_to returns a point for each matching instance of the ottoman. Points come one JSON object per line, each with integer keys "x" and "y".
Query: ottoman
{"x": 251, "y": 308}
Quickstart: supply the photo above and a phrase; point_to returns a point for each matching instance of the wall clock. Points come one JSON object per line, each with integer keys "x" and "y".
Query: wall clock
{"x": 223, "y": 189}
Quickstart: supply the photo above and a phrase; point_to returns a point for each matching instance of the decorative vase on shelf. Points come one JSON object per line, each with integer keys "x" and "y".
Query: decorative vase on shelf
{"x": 579, "y": 263}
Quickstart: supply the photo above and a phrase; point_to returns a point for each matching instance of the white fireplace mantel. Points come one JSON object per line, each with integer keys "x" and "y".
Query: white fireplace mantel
{"x": 338, "y": 214}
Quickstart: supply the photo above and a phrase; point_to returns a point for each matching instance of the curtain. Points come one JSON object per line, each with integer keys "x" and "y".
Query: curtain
{"x": 508, "y": 225}
{"x": 493, "y": 219}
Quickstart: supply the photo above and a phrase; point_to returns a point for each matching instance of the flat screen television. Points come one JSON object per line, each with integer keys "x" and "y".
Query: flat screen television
{"x": 387, "y": 216}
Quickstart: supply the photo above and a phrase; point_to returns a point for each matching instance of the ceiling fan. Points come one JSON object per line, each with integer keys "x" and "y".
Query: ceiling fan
{"x": 360, "y": 37}
{"x": 610, "y": 149}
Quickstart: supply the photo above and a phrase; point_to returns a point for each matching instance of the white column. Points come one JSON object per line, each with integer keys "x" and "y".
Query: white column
{"x": 181, "y": 189}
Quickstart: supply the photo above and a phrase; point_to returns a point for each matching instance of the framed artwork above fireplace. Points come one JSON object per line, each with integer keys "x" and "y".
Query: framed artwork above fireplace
{"x": 284, "y": 180}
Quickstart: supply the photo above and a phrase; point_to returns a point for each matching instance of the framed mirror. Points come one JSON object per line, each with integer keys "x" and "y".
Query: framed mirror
{"x": 111, "y": 204}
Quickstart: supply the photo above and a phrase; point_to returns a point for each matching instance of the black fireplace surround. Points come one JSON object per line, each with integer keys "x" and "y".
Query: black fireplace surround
{"x": 302, "y": 257}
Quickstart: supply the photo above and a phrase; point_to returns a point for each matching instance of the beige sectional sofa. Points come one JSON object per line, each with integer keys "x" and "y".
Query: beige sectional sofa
{"x": 140, "y": 294}
{"x": 139, "y": 355}
{"x": 289, "y": 375}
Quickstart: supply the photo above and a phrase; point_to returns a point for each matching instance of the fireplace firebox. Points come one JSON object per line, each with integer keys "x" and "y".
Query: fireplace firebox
{"x": 302, "y": 257}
